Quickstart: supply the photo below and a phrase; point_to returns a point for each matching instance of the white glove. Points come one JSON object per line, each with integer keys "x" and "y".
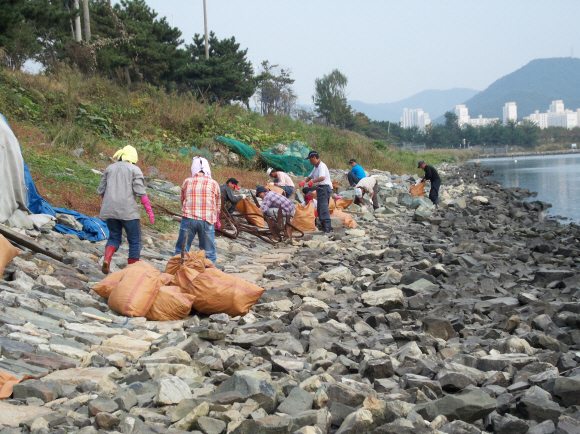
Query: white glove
{"x": 371, "y": 201}
{"x": 243, "y": 196}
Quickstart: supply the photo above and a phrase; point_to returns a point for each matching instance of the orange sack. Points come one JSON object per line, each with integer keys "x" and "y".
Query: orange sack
{"x": 106, "y": 286}
{"x": 195, "y": 260}
{"x": 247, "y": 206}
{"x": 7, "y": 382}
{"x": 304, "y": 217}
{"x": 218, "y": 292}
{"x": 343, "y": 203}
{"x": 7, "y": 253}
{"x": 275, "y": 189}
{"x": 170, "y": 304}
{"x": 417, "y": 189}
{"x": 347, "y": 220}
{"x": 135, "y": 293}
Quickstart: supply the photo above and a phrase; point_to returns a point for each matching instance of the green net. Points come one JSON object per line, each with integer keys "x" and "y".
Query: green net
{"x": 290, "y": 159}
{"x": 237, "y": 147}
{"x": 196, "y": 151}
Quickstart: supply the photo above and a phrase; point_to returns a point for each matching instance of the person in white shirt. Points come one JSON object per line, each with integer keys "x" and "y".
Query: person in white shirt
{"x": 282, "y": 180}
{"x": 320, "y": 178}
{"x": 309, "y": 198}
{"x": 367, "y": 185}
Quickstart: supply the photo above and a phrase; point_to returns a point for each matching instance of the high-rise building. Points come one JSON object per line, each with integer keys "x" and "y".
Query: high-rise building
{"x": 565, "y": 119}
{"x": 557, "y": 106}
{"x": 540, "y": 119}
{"x": 480, "y": 121}
{"x": 462, "y": 114}
{"x": 415, "y": 118}
{"x": 510, "y": 112}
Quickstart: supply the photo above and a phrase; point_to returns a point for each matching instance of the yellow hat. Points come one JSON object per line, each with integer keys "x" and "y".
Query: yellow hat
{"x": 128, "y": 154}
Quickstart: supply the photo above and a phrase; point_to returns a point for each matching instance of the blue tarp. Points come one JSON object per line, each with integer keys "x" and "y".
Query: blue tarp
{"x": 94, "y": 229}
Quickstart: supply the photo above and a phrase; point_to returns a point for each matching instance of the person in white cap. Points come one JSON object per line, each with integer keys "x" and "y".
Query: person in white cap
{"x": 367, "y": 185}
{"x": 282, "y": 180}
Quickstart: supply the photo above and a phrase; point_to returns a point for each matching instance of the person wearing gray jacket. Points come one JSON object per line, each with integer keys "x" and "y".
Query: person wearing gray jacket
{"x": 121, "y": 184}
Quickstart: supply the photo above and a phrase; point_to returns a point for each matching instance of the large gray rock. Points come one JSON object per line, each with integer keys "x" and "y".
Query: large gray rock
{"x": 438, "y": 327}
{"x": 255, "y": 385}
{"x": 172, "y": 390}
{"x": 387, "y": 299}
{"x": 297, "y": 401}
{"x": 508, "y": 424}
{"x": 468, "y": 407}
{"x": 536, "y": 404}
{"x": 568, "y": 389}
{"x": 46, "y": 391}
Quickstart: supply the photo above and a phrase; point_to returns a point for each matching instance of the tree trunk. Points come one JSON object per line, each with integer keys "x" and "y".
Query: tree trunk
{"x": 127, "y": 76}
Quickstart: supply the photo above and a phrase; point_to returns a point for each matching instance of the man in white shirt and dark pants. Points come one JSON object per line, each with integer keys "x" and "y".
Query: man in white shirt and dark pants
{"x": 320, "y": 179}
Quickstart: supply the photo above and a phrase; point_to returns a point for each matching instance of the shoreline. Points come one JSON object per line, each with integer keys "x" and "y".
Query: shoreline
{"x": 530, "y": 154}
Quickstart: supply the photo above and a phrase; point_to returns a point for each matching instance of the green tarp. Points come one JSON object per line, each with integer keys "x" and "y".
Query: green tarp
{"x": 292, "y": 160}
{"x": 238, "y": 147}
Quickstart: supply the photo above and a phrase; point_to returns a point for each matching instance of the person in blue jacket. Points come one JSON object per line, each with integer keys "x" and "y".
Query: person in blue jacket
{"x": 356, "y": 173}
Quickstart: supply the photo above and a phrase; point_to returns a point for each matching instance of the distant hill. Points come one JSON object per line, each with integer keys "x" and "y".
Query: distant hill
{"x": 532, "y": 87}
{"x": 434, "y": 102}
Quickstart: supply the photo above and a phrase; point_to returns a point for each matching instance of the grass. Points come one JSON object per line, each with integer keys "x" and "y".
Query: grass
{"x": 52, "y": 115}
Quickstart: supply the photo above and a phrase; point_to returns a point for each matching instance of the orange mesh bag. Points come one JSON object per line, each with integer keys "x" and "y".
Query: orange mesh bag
{"x": 347, "y": 220}
{"x": 331, "y": 204}
{"x": 247, "y": 206}
{"x": 170, "y": 304}
{"x": 135, "y": 293}
{"x": 7, "y": 253}
{"x": 106, "y": 286}
{"x": 218, "y": 292}
{"x": 417, "y": 189}
{"x": 304, "y": 217}
{"x": 275, "y": 189}
{"x": 195, "y": 260}
{"x": 343, "y": 203}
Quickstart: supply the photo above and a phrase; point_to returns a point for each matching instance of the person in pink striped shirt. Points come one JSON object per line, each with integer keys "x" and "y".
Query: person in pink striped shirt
{"x": 200, "y": 200}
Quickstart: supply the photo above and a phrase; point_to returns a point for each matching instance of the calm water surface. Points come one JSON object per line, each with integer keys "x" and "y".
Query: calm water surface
{"x": 556, "y": 178}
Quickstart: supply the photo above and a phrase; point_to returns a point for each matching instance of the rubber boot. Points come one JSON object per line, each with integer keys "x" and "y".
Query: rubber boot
{"x": 132, "y": 261}
{"x": 109, "y": 251}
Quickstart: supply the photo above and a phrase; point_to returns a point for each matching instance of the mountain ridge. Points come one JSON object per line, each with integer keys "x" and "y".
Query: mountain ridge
{"x": 433, "y": 101}
{"x": 532, "y": 87}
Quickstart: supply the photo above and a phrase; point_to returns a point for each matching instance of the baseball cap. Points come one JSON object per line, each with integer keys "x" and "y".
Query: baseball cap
{"x": 352, "y": 160}
{"x": 260, "y": 189}
{"x": 312, "y": 154}
{"x": 419, "y": 164}
{"x": 358, "y": 192}
{"x": 270, "y": 170}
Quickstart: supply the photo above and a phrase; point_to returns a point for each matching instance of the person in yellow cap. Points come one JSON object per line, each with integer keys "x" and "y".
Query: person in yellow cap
{"x": 121, "y": 184}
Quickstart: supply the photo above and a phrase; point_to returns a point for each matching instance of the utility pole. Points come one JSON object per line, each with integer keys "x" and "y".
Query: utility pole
{"x": 78, "y": 36}
{"x": 205, "y": 25}
{"x": 87, "y": 21}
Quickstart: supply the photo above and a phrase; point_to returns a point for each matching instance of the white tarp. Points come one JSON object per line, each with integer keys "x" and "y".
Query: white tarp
{"x": 12, "y": 185}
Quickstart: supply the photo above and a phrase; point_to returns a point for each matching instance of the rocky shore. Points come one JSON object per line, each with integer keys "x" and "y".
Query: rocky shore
{"x": 464, "y": 319}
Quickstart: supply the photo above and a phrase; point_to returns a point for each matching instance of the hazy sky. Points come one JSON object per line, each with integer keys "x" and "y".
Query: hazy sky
{"x": 389, "y": 50}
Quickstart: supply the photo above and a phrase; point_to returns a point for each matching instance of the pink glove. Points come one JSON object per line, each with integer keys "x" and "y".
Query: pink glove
{"x": 218, "y": 224}
{"x": 147, "y": 205}
{"x": 310, "y": 184}
{"x": 302, "y": 184}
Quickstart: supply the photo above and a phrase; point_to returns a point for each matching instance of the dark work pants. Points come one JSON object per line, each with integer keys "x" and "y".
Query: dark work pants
{"x": 288, "y": 190}
{"x": 133, "y": 231}
{"x": 352, "y": 179}
{"x": 375, "y": 197}
{"x": 323, "y": 196}
{"x": 434, "y": 193}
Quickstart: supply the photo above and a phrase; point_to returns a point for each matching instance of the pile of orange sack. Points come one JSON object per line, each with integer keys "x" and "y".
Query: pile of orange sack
{"x": 140, "y": 289}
